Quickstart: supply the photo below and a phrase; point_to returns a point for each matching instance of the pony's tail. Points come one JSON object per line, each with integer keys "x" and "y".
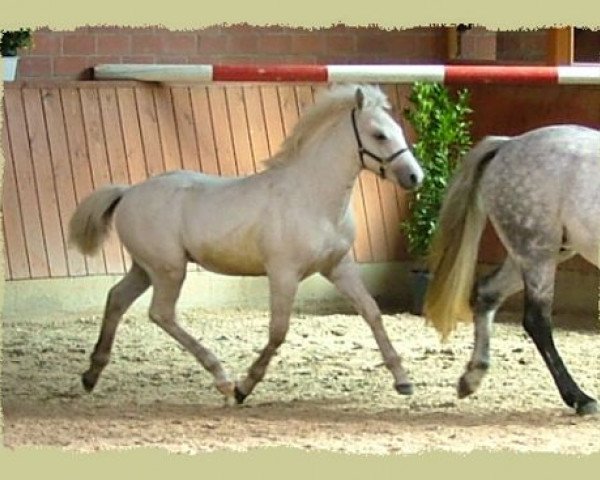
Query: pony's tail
{"x": 453, "y": 254}
{"x": 90, "y": 223}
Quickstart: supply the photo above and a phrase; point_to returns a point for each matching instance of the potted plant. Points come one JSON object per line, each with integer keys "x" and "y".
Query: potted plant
{"x": 440, "y": 122}
{"x": 10, "y": 42}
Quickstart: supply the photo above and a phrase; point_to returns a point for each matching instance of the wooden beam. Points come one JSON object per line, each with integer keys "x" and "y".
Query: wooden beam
{"x": 560, "y": 46}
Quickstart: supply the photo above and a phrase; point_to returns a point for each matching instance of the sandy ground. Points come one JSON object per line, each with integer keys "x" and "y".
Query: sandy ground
{"x": 325, "y": 390}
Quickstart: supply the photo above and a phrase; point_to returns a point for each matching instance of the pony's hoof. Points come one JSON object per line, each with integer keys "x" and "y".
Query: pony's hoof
{"x": 226, "y": 388}
{"x": 239, "y": 395}
{"x": 88, "y": 382}
{"x": 404, "y": 388}
{"x": 588, "y": 408}
{"x": 464, "y": 388}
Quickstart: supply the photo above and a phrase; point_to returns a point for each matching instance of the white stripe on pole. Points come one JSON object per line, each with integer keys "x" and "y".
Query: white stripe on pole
{"x": 155, "y": 73}
{"x": 579, "y": 75}
{"x": 386, "y": 73}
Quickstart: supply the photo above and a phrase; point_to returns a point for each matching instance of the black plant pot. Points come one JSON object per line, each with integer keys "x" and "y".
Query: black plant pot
{"x": 419, "y": 281}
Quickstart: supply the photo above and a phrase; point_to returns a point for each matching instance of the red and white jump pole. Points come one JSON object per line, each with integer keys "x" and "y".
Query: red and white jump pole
{"x": 447, "y": 74}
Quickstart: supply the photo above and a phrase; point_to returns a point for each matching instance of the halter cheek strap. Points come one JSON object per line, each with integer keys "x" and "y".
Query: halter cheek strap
{"x": 362, "y": 151}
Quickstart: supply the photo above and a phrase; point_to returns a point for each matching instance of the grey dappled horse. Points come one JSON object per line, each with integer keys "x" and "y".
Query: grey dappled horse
{"x": 287, "y": 222}
{"x": 541, "y": 191}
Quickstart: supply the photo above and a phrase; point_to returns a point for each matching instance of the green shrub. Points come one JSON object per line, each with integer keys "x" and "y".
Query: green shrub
{"x": 11, "y": 40}
{"x": 440, "y": 121}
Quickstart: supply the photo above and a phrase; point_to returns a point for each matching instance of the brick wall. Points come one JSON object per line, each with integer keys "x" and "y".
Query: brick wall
{"x": 70, "y": 54}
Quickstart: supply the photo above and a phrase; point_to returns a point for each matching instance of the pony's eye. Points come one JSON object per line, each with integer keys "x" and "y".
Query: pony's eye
{"x": 380, "y": 136}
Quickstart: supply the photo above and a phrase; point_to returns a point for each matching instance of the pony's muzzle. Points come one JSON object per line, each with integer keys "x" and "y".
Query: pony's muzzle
{"x": 408, "y": 172}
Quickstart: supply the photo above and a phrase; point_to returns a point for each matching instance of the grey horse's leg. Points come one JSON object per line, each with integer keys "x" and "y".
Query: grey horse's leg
{"x": 283, "y": 287}
{"x": 346, "y": 278}
{"x": 119, "y": 299}
{"x": 488, "y": 296}
{"x": 539, "y": 291}
{"x": 167, "y": 286}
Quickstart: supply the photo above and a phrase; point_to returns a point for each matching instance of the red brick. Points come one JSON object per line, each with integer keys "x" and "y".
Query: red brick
{"x": 174, "y": 59}
{"x": 139, "y": 59}
{"x": 274, "y": 43}
{"x": 242, "y": 43}
{"x": 71, "y": 66}
{"x": 79, "y": 44}
{"x": 200, "y": 59}
{"x": 371, "y": 44}
{"x": 147, "y": 44}
{"x": 45, "y": 43}
{"x": 211, "y": 43}
{"x": 114, "y": 44}
{"x": 401, "y": 44}
{"x": 340, "y": 43}
{"x": 180, "y": 43}
{"x": 35, "y": 67}
{"x": 311, "y": 43}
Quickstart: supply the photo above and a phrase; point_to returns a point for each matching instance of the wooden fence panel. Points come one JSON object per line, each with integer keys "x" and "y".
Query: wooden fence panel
{"x": 62, "y": 141}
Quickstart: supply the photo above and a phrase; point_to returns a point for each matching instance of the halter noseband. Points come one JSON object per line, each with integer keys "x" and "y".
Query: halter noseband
{"x": 362, "y": 151}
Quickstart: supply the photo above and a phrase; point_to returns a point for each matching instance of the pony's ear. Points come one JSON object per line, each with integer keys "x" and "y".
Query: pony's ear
{"x": 360, "y": 98}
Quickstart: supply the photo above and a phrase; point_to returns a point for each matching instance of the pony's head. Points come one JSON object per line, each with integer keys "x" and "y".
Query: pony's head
{"x": 361, "y": 111}
{"x": 380, "y": 140}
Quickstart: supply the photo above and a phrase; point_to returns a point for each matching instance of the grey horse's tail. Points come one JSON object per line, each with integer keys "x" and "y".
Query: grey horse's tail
{"x": 453, "y": 254}
{"x": 90, "y": 223}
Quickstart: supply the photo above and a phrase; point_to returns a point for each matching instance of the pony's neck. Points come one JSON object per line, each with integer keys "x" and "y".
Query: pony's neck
{"x": 326, "y": 167}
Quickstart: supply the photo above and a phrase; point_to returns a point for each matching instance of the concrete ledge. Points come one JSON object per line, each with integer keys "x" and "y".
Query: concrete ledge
{"x": 387, "y": 281}
{"x": 576, "y": 301}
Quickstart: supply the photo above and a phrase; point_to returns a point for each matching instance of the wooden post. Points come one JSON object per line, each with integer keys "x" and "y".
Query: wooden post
{"x": 451, "y": 43}
{"x": 560, "y": 46}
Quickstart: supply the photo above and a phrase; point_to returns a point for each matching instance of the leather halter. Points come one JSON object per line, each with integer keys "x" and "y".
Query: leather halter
{"x": 362, "y": 151}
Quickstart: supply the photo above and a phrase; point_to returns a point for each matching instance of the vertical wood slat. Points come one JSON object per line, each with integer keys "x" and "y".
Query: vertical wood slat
{"x": 288, "y": 106}
{"x": 98, "y": 159}
{"x": 184, "y": 127}
{"x": 14, "y": 234}
{"x": 149, "y": 130}
{"x": 44, "y": 181}
{"x": 205, "y": 137}
{"x": 166, "y": 127}
{"x": 222, "y": 131}
{"x": 115, "y": 151}
{"x": 63, "y": 173}
{"x": 132, "y": 135}
{"x": 239, "y": 130}
{"x": 82, "y": 178}
{"x": 26, "y": 184}
{"x": 272, "y": 113}
{"x": 256, "y": 126}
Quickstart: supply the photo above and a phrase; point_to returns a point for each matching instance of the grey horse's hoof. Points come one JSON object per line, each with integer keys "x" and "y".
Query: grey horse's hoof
{"x": 239, "y": 395}
{"x": 588, "y": 408}
{"x": 404, "y": 388}
{"x": 88, "y": 381}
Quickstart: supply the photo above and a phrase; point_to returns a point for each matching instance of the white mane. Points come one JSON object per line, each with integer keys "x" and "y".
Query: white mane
{"x": 330, "y": 103}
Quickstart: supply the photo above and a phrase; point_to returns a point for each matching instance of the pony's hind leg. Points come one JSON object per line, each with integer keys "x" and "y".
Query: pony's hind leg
{"x": 488, "y": 295}
{"x": 539, "y": 290}
{"x": 346, "y": 278}
{"x": 166, "y": 289}
{"x": 282, "y": 287}
{"x": 120, "y": 297}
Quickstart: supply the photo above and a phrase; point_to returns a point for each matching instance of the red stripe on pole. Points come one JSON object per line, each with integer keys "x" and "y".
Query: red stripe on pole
{"x": 500, "y": 74}
{"x": 270, "y": 73}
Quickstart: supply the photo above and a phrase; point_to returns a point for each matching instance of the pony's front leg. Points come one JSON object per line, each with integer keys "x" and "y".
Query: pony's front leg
{"x": 346, "y": 278}
{"x": 283, "y": 287}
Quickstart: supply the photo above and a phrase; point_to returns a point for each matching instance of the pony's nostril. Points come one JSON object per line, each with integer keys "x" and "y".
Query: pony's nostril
{"x": 413, "y": 179}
